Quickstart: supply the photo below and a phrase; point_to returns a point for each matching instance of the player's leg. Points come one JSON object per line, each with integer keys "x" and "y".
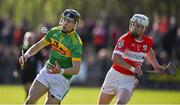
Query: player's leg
{"x": 136, "y": 81}
{"x": 52, "y": 99}
{"x": 105, "y": 98}
{"x": 27, "y": 87}
{"x": 108, "y": 89}
{"x": 123, "y": 96}
{"x": 36, "y": 91}
{"x": 124, "y": 92}
{"x": 58, "y": 88}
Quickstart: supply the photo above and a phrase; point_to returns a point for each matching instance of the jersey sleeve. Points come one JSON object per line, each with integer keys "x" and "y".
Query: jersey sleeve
{"x": 77, "y": 53}
{"x": 150, "y": 43}
{"x": 121, "y": 45}
{"x": 48, "y": 36}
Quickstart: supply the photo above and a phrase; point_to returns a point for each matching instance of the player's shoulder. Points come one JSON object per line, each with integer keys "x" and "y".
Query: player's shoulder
{"x": 77, "y": 38}
{"x": 54, "y": 29}
{"x": 147, "y": 38}
{"x": 125, "y": 36}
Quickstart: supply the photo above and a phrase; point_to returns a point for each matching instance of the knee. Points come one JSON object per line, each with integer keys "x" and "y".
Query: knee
{"x": 120, "y": 102}
{"x": 53, "y": 102}
{"x": 30, "y": 100}
{"x": 123, "y": 96}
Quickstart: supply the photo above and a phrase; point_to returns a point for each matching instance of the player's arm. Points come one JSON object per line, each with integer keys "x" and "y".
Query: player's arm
{"x": 74, "y": 69}
{"x": 152, "y": 59}
{"x": 36, "y": 47}
{"x": 118, "y": 60}
{"x": 56, "y": 69}
{"x": 76, "y": 60}
{"x": 33, "y": 50}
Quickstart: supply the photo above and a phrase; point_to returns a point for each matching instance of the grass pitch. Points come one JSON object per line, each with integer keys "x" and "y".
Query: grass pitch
{"x": 84, "y": 95}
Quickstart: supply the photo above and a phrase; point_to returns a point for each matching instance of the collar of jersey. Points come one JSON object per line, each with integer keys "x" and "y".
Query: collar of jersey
{"x": 71, "y": 33}
{"x": 139, "y": 41}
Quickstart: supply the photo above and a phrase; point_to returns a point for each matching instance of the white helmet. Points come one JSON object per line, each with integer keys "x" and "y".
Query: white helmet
{"x": 141, "y": 19}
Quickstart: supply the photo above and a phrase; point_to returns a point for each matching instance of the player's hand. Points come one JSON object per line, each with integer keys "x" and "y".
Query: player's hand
{"x": 160, "y": 70}
{"x": 138, "y": 71}
{"x": 54, "y": 69}
{"x": 22, "y": 60}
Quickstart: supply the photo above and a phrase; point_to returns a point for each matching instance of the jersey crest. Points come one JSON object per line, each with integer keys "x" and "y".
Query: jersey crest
{"x": 145, "y": 47}
{"x": 121, "y": 43}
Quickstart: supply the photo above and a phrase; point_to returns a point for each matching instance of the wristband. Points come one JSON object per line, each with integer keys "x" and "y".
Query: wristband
{"x": 62, "y": 71}
{"x": 132, "y": 69}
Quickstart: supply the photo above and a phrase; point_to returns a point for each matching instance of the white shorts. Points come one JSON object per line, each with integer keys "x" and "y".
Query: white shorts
{"x": 58, "y": 85}
{"x": 115, "y": 80}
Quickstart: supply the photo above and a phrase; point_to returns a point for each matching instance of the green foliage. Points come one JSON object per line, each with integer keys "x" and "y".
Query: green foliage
{"x": 35, "y": 11}
{"x": 48, "y": 11}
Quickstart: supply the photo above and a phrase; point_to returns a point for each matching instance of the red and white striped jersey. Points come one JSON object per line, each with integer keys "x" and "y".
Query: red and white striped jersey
{"x": 132, "y": 51}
